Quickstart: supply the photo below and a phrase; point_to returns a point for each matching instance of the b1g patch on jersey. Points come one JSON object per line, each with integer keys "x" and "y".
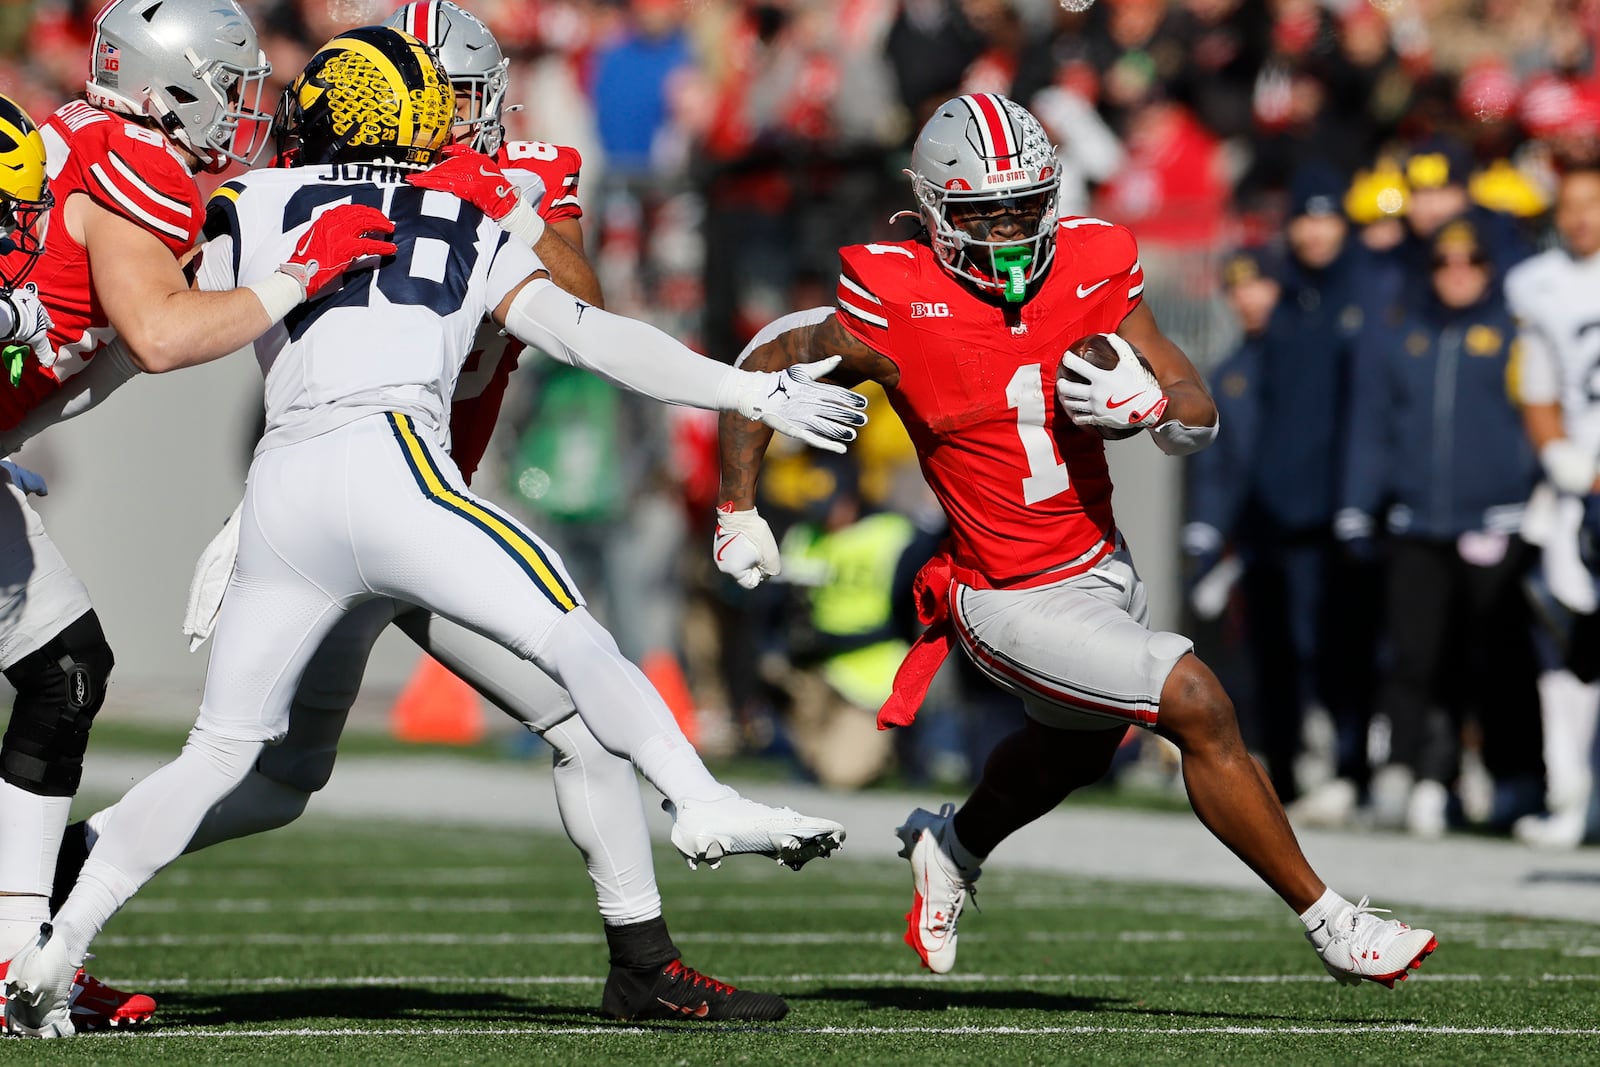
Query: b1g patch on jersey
{"x": 925, "y": 309}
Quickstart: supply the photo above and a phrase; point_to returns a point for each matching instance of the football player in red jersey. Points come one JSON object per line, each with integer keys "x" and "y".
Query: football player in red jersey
{"x": 596, "y": 791}
{"x": 171, "y": 91}
{"x": 966, "y": 328}
{"x": 478, "y": 70}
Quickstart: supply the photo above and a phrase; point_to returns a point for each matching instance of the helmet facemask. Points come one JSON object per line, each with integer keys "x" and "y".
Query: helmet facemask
{"x": 979, "y": 161}
{"x": 480, "y": 99}
{"x": 194, "y": 67}
{"x": 478, "y": 69}
{"x": 22, "y": 230}
{"x": 24, "y": 194}
{"x": 234, "y": 103}
{"x": 959, "y": 224}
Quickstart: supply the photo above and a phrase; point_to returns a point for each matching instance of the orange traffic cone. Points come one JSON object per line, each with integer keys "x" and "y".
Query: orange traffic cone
{"x": 661, "y": 667}
{"x": 437, "y": 708}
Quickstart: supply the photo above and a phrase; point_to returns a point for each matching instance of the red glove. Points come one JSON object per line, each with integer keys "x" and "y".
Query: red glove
{"x": 474, "y": 177}
{"x": 335, "y": 240}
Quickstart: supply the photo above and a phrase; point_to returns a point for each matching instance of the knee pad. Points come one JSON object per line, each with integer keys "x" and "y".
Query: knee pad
{"x": 59, "y": 688}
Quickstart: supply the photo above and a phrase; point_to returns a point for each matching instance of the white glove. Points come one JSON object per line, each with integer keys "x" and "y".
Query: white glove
{"x": 793, "y": 402}
{"x": 29, "y": 323}
{"x": 1570, "y": 467}
{"x": 211, "y": 575}
{"x": 30, "y": 482}
{"x": 1125, "y": 396}
{"x": 743, "y": 546}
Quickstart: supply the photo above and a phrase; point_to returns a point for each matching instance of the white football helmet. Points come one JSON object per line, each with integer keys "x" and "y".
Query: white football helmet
{"x": 194, "y": 66}
{"x": 472, "y": 57}
{"x": 986, "y": 152}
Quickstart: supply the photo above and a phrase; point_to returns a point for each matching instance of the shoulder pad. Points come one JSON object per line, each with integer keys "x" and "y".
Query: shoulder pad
{"x": 870, "y": 276}
{"x": 132, "y": 171}
{"x": 558, "y": 165}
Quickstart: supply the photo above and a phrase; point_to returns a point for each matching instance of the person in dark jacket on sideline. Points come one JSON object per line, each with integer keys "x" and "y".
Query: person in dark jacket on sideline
{"x": 1437, "y": 454}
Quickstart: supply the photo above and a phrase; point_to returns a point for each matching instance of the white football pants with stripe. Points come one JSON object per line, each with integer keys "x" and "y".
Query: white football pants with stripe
{"x": 374, "y": 509}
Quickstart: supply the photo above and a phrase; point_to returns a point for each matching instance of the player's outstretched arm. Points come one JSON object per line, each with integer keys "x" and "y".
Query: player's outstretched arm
{"x": 167, "y": 325}
{"x": 641, "y": 358}
{"x": 561, "y": 251}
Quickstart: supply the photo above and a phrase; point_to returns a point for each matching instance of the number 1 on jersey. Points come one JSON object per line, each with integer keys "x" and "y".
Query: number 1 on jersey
{"x": 1047, "y": 474}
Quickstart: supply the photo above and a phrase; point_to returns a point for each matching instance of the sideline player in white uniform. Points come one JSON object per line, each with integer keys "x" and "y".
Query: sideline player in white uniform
{"x": 352, "y": 495}
{"x": 171, "y": 92}
{"x": 597, "y": 792}
{"x": 1556, "y": 298}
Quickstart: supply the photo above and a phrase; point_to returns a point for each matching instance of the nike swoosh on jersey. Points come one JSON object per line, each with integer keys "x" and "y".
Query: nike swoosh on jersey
{"x": 1084, "y": 291}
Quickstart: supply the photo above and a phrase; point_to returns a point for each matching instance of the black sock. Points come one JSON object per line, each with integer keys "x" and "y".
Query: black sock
{"x": 641, "y": 945}
{"x": 69, "y": 861}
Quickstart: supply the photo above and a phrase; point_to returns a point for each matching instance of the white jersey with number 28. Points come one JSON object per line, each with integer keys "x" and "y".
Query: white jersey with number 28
{"x": 388, "y": 339}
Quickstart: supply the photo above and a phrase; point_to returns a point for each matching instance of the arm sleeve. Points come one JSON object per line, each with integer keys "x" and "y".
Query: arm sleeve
{"x": 104, "y": 374}
{"x": 623, "y": 351}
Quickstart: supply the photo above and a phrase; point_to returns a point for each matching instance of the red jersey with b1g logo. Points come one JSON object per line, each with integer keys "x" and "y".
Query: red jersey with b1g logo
{"x": 1027, "y": 492}
{"x": 481, "y": 388}
{"x": 131, "y": 171}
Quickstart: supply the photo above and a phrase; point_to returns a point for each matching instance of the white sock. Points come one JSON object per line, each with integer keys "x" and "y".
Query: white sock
{"x": 670, "y": 763}
{"x": 597, "y": 794}
{"x": 100, "y": 891}
{"x": 1319, "y": 918}
{"x": 20, "y": 917}
{"x": 31, "y": 828}
{"x": 1568, "y": 711}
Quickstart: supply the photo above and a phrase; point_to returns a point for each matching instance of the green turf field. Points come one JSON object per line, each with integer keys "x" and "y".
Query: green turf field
{"x": 344, "y": 943}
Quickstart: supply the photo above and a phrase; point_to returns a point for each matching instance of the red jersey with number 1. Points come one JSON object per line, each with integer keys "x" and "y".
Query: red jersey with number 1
{"x": 481, "y": 388}
{"x": 1027, "y": 492}
{"x": 129, "y": 170}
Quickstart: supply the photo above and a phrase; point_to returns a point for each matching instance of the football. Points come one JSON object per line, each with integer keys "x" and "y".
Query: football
{"x": 1096, "y": 349}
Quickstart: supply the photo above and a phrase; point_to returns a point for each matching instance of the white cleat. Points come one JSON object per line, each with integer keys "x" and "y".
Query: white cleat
{"x": 707, "y": 831}
{"x": 940, "y": 888}
{"x": 1358, "y": 946}
{"x": 38, "y": 987}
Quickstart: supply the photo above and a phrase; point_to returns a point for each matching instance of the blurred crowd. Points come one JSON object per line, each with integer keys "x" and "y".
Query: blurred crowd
{"x": 1329, "y": 195}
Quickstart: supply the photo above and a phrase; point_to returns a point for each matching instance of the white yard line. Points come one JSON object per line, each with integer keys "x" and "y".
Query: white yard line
{"x": 373, "y": 940}
{"x": 865, "y": 1031}
{"x": 881, "y": 978}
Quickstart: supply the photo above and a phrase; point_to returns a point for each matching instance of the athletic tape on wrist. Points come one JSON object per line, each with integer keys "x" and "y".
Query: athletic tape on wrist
{"x": 279, "y": 294}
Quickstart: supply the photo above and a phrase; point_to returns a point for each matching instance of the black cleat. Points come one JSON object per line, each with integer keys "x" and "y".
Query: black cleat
{"x": 679, "y": 992}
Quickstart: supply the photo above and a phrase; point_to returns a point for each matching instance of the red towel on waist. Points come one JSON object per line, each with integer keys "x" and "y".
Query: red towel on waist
{"x": 932, "y": 593}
